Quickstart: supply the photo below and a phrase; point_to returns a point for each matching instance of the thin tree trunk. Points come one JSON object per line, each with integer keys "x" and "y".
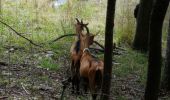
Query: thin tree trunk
{"x": 166, "y": 76}
{"x": 154, "y": 62}
{"x": 108, "y": 49}
{"x": 142, "y": 28}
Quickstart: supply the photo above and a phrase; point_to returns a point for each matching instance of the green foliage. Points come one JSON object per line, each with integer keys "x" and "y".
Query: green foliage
{"x": 125, "y": 22}
{"x": 49, "y": 64}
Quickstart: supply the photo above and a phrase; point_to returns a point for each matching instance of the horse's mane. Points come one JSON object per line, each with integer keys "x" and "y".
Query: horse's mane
{"x": 77, "y": 47}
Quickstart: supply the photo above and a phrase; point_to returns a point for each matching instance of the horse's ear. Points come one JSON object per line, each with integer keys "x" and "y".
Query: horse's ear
{"x": 77, "y": 20}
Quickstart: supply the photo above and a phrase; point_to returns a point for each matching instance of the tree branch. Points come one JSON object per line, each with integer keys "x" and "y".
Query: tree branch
{"x": 3, "y": 63}
{"x": 99, "y": 44}
{"x": 102, "y": 50}
{"x": 19, "y": 34}
{"x": 58, "y": 38}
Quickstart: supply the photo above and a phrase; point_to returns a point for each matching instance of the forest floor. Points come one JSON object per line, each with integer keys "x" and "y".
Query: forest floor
{"x": 31, "y": 82}
{"x": 39, "y": 80}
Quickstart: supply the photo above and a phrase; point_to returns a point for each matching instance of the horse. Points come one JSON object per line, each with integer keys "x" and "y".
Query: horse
{"x": 91, "y": 72}
{"x": 76, "y": 51}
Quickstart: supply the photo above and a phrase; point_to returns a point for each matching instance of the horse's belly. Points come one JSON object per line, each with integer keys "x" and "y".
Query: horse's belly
{"x": 84, "y": 69}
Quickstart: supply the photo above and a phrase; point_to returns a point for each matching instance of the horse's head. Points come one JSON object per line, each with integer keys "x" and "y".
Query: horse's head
{"x": 80, "y": 26}
{"x": 86, "y": 39}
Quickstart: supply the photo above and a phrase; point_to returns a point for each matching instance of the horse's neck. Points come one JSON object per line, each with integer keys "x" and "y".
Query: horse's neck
{"x": 83, "y": 44}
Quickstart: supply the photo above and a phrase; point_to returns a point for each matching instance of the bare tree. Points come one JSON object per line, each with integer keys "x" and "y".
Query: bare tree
{"x": 166, "y": 76}
{"x": 154, "y": 62}
{"x": 142, "y": 29}
{"x": 108, "y": 49}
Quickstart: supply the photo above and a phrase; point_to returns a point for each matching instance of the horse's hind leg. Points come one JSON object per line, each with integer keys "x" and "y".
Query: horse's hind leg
{"x": 83, "y": 84}
{"x": 72, "y": 90}
{"x": 86, "y": 81}
{"x": 77, "y": 84}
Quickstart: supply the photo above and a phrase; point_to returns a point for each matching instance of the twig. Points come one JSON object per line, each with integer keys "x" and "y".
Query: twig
{"x": 24, "y": 89}
{"x": 119, "y": 48}
{"x": 3, "y": 97}
{"x": 97, "y": 49}
{"x": 102, "y": 50}
{"x": 19, "y": 34}
{"x": 3, "y": 63}
{"x": 13, "y": 64}
{"x": 98, "y": 44}
{"x": 62, "y": 37}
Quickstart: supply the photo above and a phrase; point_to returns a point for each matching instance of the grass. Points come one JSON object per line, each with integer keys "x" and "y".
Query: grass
{"x": 132, "y": 62}
{"x": 49, "y": 64}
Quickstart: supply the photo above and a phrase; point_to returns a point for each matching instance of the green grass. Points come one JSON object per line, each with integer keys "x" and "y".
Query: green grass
{"x": 121, "y": 98}
{"x": 49, "y": 64}
{"x": 131, "y": 62}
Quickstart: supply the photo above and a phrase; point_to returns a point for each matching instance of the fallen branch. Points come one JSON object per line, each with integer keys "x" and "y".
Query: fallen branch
{"x": 3, "y": 63}
{"x": 102, "y": 50}
{"x": 6, "y": 64}
{"x": 3, "y": 97}
{"x": 99, "y": 44}
{"x": 62, "y": 37}
{"x": 19, "y": 34}
{"x": 97, "y": 49}
{"x": 119, "y": 48}
{"x": 24, "y": 88}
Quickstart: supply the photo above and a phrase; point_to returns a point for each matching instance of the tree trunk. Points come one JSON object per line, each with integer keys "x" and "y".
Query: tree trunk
{"x": 154, "y": 62}
{"x": 166, "y": 76}
{"x": 108, "y": 49}
{"x": 142, "y": 29}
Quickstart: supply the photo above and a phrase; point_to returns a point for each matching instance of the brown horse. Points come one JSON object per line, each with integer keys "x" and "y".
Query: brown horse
{"x": 76, "y": 51}
{"x": 91, "y": 72}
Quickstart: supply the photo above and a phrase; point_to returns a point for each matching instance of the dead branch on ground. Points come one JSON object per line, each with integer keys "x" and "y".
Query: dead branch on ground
{"x": 3, "y": 64}
{"x": 7, "y": 64}
{"x": 102, "y": 50}
{"x": 3, "y": 97}
{"x": 99, "y": 44}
